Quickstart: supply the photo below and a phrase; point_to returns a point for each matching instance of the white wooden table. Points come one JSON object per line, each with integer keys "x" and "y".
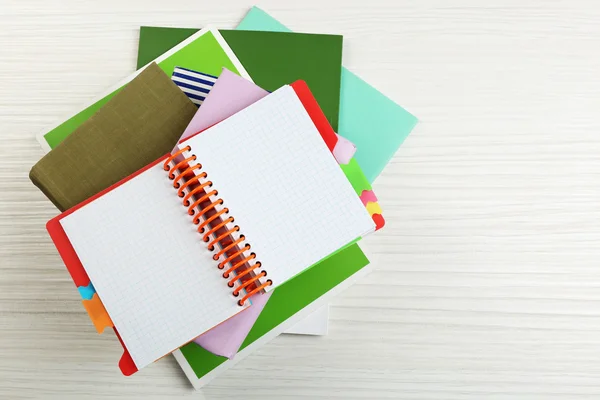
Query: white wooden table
{"x": 488, "y": 282}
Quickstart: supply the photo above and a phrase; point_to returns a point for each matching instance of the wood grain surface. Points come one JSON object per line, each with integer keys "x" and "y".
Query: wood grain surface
{"x": 487, "y": 283}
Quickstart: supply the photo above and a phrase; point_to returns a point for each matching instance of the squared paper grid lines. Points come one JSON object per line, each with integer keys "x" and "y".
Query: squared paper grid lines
{"x": 282, "y": 184}
{"x": 154, "y": 275}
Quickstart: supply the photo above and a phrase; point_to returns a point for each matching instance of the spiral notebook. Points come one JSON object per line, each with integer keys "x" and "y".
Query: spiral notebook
{"x": 159, "y": 245}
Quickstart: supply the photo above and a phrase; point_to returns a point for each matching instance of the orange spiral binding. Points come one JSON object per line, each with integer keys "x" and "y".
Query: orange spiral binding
{"x": 213, "y": 223}
{"x": 192, "y": 192}
{"x": 230, "y": 246}
{"x": 195, "y": 178}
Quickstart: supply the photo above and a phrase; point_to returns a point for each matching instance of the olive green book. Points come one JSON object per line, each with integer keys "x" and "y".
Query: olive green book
{"x": 141, "y": 123}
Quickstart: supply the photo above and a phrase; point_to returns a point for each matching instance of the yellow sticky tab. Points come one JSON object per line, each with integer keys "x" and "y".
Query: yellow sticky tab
{"x": 373, "y": 208}
{"x": 98, "y": 313}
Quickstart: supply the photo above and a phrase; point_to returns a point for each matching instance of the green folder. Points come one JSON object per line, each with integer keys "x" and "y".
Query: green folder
{"x": 272, "y": 59}
{"x": 204, "y": 51}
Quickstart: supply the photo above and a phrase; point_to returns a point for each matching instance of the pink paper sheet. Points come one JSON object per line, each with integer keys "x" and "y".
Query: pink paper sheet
{"x": 225, "y": 339}
{"x": 231, "y": 93}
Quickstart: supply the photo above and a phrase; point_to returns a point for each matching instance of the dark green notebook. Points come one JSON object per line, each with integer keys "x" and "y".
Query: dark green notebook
{"x": 141, "y": 123}
{"x": 272, "y": 59}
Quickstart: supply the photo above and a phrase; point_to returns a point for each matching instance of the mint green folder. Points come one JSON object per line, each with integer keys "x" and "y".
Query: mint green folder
{"x": 369, "y": 119}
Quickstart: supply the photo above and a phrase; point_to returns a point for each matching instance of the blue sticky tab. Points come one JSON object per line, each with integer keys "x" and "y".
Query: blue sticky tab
{"x": 87, "y": 292}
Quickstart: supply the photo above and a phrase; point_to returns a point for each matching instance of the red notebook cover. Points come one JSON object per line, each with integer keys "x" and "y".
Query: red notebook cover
{"x": 94, "y": 307}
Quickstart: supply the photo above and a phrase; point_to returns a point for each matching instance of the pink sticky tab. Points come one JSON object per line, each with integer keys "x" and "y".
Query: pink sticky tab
{"x": 367, "y": 196}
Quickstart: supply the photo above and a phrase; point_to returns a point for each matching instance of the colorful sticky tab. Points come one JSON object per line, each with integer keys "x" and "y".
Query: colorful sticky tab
{"x": 373, "y": 208}
{"x": 97, "y": 313}
{"x": 379, "y": 221}
{"x": 367, "y": 196}
{"x": 369, "y": 199}
{"x": 87, "y": 292}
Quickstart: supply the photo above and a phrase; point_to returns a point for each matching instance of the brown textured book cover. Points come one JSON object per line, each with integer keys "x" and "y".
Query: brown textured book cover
{"x": 138, "y": 125}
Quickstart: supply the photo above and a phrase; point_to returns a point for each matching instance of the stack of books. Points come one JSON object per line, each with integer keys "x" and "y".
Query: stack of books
{"x": 215, "y": 198}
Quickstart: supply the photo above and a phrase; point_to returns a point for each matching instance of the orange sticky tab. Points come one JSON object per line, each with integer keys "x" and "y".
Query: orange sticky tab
{"x": 97, "y": 313}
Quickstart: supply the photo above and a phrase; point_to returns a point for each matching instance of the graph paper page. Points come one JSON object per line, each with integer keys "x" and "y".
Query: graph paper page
{"x": 282, "y": 185}
{"x": 149, "y": 266}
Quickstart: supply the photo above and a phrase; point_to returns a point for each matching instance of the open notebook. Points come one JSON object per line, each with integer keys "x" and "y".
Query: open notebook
{"x": 282, "y": 199}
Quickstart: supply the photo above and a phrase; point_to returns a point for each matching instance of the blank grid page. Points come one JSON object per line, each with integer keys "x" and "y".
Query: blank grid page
{"x": 149, "y": 266}
{"x": 282, "y": 184}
